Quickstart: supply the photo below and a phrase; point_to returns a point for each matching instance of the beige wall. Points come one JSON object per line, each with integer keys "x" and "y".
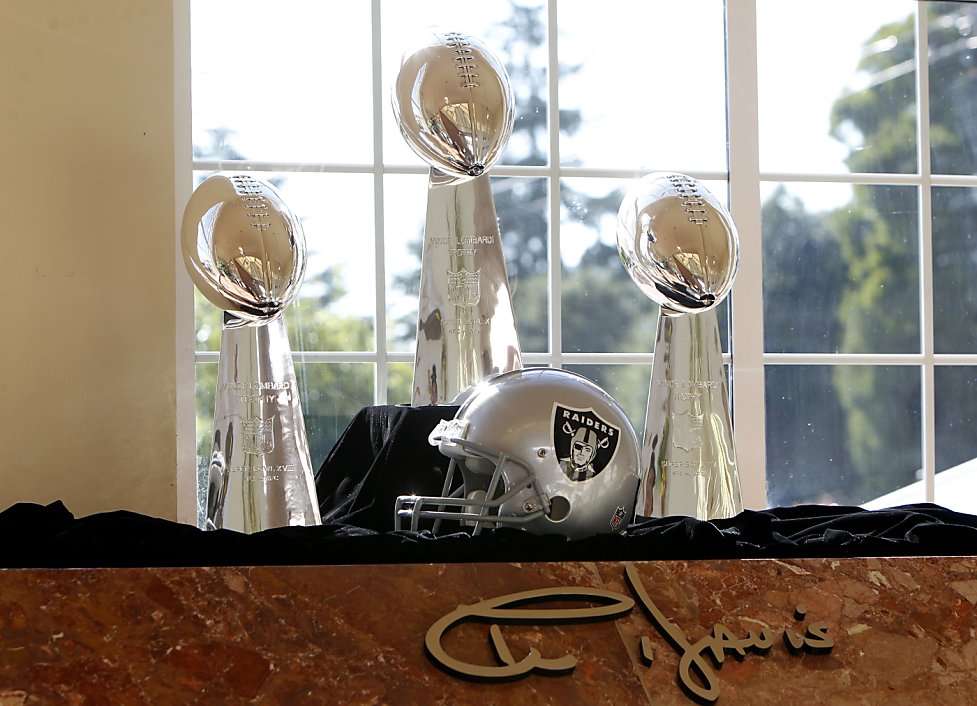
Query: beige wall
{"x": 88, "y": 368}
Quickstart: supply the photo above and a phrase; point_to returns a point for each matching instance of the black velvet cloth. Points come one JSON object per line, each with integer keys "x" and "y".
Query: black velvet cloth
{"x": 384, "y": 452}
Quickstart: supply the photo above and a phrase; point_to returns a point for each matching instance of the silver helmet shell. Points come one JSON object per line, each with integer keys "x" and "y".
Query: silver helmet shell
{"x": 542, "y": 449}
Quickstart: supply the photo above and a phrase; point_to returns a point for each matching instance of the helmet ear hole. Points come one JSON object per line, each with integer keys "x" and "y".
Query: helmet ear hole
{"x": 559, "y": 508}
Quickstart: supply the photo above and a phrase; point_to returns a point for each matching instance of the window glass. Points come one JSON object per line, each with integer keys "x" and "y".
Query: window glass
{"x": 206, "y": 388}
{"x": 289, "y": 85}
{"x": 956, "y": 443}
{"x": 840, "y": 278}
{"x": 642, "y": 85}
{"x": 331, "y": 394}
{"x": 954, "y": 267}
{"x": 404, "y": 208}
{"x": 335, "y": 309}
{"x": 629, "y": 384}
{"x": 522, "y": 207}
{"x": 400, "y": 378}
{"x": 952, "y": 66}
{"x": 602, "y": 310}
{"x": 841, "y": 434}
{"x": 836, "y": 95}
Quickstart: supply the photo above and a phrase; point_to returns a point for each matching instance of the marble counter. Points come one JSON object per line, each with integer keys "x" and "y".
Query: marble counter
{"x": 903, "y": 631}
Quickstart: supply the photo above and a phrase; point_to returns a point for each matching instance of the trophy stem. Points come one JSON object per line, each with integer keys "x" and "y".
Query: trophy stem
{"x": 465, "y": 327}
{"x": 688, "y": 455}
{"x": 260, "y": 472}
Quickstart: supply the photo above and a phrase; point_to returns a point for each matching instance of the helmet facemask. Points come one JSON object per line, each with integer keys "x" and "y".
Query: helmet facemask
{"x": 489, "y": 480}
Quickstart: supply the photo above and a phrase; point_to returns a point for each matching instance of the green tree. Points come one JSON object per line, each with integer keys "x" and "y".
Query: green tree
{"x": 879, "y": 308}
{"x": 807, "y": 458}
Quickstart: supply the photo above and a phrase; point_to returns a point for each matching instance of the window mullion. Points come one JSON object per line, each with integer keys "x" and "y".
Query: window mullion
{"x": 380, "y": 282}
{"x": 747, "y": 300}
{"x": 928, "y": 381}
{"x": 553, "y": 129}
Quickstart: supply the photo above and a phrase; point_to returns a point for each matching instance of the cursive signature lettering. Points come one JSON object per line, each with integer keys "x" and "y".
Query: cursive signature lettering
{"x": 506, "y": 609}
{"x": 698, "y": 660}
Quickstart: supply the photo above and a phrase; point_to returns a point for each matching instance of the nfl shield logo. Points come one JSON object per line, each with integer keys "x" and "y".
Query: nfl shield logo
{"x": 686, "y": 430}
{"x": 463, "y": 288}
{"x": 258, "y": 435}
{"x": 618, "y": 519}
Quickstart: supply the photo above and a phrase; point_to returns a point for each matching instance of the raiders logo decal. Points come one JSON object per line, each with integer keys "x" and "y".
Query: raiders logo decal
{"x": 585, "y": 442}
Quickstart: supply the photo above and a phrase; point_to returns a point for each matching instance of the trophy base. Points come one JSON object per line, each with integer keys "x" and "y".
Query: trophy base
{"x": 260, "y": 474}
{"x": 688, "y": 454}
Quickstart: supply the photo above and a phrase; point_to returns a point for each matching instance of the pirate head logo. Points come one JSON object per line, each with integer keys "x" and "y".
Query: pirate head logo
{"x": 258, "y": 435}
{"x": 585, "y": 442}
{"x": 464, "y": 288}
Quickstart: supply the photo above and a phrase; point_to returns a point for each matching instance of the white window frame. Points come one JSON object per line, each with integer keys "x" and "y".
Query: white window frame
{"x": 748, "y": 358}
{"x": 748, "y": 353}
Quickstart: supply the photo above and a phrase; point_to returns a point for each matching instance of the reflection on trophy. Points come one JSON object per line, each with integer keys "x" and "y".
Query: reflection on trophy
{"x": 245, "y": 252}
{"x": 679, "y": 245}
{"x": 453, "y": 104}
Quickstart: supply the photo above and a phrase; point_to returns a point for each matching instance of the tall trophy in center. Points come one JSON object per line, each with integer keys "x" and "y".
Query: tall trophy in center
{"x": 245, "y": 252}
{"x": 680, "y": 247}
{"x": 454, "y": 107}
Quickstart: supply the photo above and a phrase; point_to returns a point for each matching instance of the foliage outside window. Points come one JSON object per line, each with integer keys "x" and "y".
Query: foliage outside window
{"x": 869, "y": 314}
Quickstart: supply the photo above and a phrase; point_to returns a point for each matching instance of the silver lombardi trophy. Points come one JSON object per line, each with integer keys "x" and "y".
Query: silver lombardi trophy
{"x": 679, "y": 245}
{"x": 245, "y": 252}
{"x": 453, "y": 104}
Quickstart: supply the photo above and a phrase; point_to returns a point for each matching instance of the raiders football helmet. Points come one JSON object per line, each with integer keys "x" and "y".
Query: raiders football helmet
{"x": 542, "y": 449}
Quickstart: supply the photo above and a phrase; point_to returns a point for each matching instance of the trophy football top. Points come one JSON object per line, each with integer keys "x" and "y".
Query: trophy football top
{"x": 453, "y": 103}
{"x": 243, "y": 247}
{"x": 678, "y": 243}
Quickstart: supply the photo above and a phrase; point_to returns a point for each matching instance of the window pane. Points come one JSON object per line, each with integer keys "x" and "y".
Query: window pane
{"x": 841, "y": 434}
{"x": 208, "y": 321}
{"x": 336, "y": 307}
{"x": 840, "y": 278}
{"x": 331, "y": 394}
{"x": 836, "y": 95}
{"x": 954, "y": 265}
{"x": 206, "y": 387}
{"x": 953, "y": 105}
{"x": 628, "y": 384}
{"x": 956, "y": 443}
{"x": 289, "y": 85}
{"x": 404, "y": 209}
{"x": 603, "y": 311}
{"x": 400, "y": 377}
{"x": 637, "y": 92}
{"x": 522, "y": 207}
{"x": 515, "y": 32}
